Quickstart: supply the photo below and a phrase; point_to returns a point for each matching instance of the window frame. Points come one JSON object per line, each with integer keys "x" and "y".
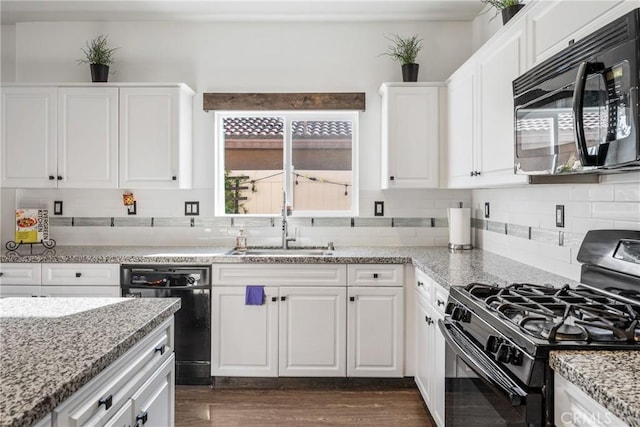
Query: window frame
{"x": 288, "y": 116}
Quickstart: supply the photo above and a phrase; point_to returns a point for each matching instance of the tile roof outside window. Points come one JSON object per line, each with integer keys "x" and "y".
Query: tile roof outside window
{"x": 243, "y": 127}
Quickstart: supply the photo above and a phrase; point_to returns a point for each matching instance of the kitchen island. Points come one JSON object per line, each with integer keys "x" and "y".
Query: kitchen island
{"x": 52, "y": 347}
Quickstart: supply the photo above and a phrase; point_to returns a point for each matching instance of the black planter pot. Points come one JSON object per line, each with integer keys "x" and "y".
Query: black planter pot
{"x": 99, "y": 73}
{"x": 510, "y": 11}
{"x": 410, "y": 72}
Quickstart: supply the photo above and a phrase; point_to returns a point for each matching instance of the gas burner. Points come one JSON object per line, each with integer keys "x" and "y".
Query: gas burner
{"x": 561, "y": 314}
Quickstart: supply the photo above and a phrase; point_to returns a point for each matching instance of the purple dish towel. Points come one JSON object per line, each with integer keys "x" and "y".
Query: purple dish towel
{"x": 254, "y": 295}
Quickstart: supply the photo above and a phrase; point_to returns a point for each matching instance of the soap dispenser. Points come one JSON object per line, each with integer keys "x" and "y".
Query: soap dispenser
{"x": 241, "y": 241}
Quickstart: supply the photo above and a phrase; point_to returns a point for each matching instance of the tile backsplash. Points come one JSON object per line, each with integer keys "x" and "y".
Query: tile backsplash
{"x": 529, "y": 218}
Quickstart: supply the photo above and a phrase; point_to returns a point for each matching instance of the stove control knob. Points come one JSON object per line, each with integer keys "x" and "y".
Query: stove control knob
{"x": 517, "y": 358}
{"x": 449, "y": 308}
{"x": 492, "y": 344}
{"x": 504, "y": 353}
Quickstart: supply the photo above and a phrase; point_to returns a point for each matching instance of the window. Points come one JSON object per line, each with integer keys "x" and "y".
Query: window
{"x": 311, "y": 156}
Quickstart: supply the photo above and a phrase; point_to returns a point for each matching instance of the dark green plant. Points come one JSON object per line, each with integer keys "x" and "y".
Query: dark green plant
{"x": 97, "y": 52}
{"x": 404, "y": 49}
{"x": 501, "y": 4}
{"x": 232, "y": 193}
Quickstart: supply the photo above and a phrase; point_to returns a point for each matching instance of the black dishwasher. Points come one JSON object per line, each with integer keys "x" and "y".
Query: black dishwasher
{"x": 192, "y": 284}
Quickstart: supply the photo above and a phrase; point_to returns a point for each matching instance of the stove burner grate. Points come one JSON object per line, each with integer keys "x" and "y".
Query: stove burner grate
{"x": 562, "y": 314}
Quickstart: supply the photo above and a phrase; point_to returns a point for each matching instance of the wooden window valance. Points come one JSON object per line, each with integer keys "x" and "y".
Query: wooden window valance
{"x": 354, "y": 101}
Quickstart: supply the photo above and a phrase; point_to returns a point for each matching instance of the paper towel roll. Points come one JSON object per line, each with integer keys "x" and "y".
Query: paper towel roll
{"x": 460, "y": 228}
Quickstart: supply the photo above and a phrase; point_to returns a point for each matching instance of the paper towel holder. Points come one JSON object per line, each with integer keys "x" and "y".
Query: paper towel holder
{"x": 453, "y": 247}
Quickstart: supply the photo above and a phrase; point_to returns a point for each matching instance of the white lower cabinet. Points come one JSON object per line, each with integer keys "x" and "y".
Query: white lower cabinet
{"x": 430, "y": 345}
{"x": 312, "y": 332}
{"x": 19, "y": 280}
{"x": 80, "y": 280}
{"x": 245, "y": 337}
{"x": 574, "y": 408}
{"x": 310, "y": 329}
{"x": 138, "y": 388}
{"x": 375, "y": 342}
{"x": 297, "y": 332}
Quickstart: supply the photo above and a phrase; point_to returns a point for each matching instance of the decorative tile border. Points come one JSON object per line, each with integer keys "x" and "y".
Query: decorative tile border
{"x": 247, "y": 222}
{"x": 544, "y": 235}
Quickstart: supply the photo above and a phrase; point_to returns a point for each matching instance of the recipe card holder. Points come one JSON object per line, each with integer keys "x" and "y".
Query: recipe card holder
{"x": 13, "y": 247}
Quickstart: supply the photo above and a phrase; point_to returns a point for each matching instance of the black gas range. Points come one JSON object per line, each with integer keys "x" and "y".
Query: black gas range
{"x": 501, "y": 335}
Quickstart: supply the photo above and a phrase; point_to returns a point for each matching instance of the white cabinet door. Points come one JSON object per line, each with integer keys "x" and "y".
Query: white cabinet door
{"x": 437, "y": 371}
{"x": 461, "y": 97}
{"x": 154, "y": 403}
{"x": 29, "y": 132}
{"x": 497, "y": 68}
{"x": 375, "y": 338}
{"x": 424, "y": 339}
{"x": 244, "y": 337}
{"x": 155, "y": 138}
{"x": 19, "y": 290}
{"x": 20, "y": 274}
{"x": 410, "y": 135}
{"x": 88, "y": 137}
{"x": 312, "y": 331}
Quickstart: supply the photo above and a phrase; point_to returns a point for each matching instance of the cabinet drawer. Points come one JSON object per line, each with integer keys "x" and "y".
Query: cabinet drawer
{"x": 440, "y": 296}
{"x": 279, "y": 274}
{"x": 376, "y": 275}
{"x": 423, "y": 285}
{"x": 116, "y": 385}
{"x": 20, "y": 291}
{"x": 80, "y": 291}
{"x": 20, "y": 274}
{"x": 80, "y": 274}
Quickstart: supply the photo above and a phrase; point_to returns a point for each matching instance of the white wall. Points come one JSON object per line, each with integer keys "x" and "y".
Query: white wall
{"x": 612, "y": 204}
{"x": 244, "y": 57}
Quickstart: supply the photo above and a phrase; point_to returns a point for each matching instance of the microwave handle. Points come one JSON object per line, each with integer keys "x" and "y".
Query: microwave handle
{"x": 584, "y": 70}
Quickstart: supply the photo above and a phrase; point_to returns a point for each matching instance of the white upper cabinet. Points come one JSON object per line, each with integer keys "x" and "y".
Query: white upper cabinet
{"x": 123, "y": 135}
{"x": 480, "y": 107}
{"x": 501, "y": 63}
{"x": 29, "y": 137}
{"x": 88, "y": 137}
{"x": 461, "y": 95}
{"x": 553, "y": 24}
{"x": 410, "y": 134}
{"x": 155, "y": 137}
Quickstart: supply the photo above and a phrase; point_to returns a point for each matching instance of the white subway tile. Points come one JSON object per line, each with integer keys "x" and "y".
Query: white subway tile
{"x": 592, "y": 192}
{"x": 626, "y": 225}
{"x": 627, "y": 192}
{"x": 582, "y": 225}
{"x": 616, "y": 211}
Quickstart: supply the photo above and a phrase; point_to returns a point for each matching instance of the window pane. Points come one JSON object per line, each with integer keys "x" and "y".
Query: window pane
{"x": 253, "y": 160}
{"x": 321, "y": 157}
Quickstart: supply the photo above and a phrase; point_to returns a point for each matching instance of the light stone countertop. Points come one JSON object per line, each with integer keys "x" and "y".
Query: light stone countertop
{"x": 447, "y": 268}
{"x": 51, "y": 347}
{"x": 611, "y": 378}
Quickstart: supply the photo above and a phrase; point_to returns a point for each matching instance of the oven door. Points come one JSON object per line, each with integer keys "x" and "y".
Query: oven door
{"x": 478, "y": 392}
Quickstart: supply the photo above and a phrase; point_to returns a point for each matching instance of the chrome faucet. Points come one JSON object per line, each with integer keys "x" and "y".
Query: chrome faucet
{"x": 285, "y": 224}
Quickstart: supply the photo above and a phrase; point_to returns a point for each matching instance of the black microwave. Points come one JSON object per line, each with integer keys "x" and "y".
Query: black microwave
{"x": 577, "y": 111}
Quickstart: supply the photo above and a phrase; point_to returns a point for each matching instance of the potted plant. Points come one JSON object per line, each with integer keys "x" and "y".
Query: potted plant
{"x": 99, "y": 56}
{"x": 509, "y": 8}
{"x": 405, "y": 50}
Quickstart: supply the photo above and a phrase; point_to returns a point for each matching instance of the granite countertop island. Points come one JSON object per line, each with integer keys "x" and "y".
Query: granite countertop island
{"x": 611, "y": 378}
{"x": 51, "y": 347}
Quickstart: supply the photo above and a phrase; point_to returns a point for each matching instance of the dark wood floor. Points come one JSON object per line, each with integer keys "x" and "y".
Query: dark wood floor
{"x": 199, "y": 406}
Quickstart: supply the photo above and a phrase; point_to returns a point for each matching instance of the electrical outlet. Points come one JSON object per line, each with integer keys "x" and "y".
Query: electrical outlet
{"x": 487, "y": 212}
{"x": 560, "y": 216}
{"x": 191, "y": 208}
{"x": 378, "y": 209}
{"x": 57, "y": 207}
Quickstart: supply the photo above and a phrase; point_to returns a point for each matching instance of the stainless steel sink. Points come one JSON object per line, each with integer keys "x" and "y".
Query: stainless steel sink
{"x": 281, "y": 252}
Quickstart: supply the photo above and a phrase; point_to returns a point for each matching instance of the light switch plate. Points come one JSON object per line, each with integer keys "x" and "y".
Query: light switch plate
{"x": 560, "y": 216}
{"x": 487, "y": 212}
{"x": 57, "y": 207}
{"x": 378, "y": 208}
{"x": 191, "y": 208}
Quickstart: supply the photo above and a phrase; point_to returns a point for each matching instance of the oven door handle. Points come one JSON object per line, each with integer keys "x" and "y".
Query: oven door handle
{"x": 481, "y": 364}
{"x": 584, "y": 70}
